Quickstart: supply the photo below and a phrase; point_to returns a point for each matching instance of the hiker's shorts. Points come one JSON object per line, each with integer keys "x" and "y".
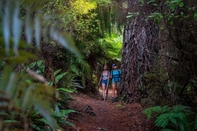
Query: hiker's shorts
{"x": 104, "y": 82}
{"x": 117, "y": 84}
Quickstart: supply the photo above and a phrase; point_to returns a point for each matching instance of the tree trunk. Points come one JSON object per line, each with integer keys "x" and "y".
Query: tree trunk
{"x": 140, "y": 47}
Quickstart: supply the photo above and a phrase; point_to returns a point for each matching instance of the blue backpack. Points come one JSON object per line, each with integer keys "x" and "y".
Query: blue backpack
{"x": 116, "y": 78}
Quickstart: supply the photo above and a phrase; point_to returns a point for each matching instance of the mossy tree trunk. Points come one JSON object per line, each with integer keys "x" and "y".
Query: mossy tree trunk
{"x": 140, "y": 48}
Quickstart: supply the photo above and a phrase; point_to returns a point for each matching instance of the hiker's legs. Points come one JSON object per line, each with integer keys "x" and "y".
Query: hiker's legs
{"x": 106, "y": 91}
{"x": 117, "y": 87}
{"x": 113, "y": 89}
{"x": 103, "y": 90}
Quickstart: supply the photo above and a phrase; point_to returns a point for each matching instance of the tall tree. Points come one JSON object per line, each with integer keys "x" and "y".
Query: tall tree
{"x": 140, "y": 44}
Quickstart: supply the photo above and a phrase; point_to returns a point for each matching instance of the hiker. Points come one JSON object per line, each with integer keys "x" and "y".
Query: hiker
{"x": 104, "y": 80}
{"x": 115, "y": 76}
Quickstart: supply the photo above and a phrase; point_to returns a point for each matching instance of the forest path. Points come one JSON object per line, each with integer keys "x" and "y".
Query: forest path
{"x": 94, "y": 114}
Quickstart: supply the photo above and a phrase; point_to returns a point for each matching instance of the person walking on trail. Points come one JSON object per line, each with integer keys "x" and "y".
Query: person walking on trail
{"x": 115, "y": 76}
{"x": 104, "y": 80}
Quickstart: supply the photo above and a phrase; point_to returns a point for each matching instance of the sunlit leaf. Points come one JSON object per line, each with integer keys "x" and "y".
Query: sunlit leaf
{"x": 82, "y": 6}
{"x": 129, "y": 16}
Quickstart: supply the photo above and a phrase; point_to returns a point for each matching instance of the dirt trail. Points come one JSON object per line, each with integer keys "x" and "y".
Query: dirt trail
{"x": 94, "y": 114}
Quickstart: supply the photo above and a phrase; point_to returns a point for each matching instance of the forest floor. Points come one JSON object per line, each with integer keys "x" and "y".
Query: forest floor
{"x": 95, "y": 114}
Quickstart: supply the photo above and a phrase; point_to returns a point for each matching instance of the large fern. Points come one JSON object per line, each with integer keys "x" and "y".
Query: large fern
{"x": 169, "y": 118}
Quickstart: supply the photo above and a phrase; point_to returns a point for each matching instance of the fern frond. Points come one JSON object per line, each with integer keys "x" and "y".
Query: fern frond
{"x": 60, "y": 76}
{"x": 179, "y": 108}
{"x": 162, "y": 120}
{"x": 175, "y": 117}
{"x": 172, "y": 118}
{"x": 156, "y": 109}
{"x": 66, "y": 112}
{"x": 165, "y": 109}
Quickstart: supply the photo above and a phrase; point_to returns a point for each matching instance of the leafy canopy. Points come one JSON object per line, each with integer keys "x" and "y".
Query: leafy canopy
{"x": 82, "y": 6}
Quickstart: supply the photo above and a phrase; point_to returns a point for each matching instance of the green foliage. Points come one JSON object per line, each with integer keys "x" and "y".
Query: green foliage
{"x": 142, "y": 2}
{"x": 17, "y": 94}
{"x": 61, "y": 116}
{"x": 37, "y": 66}
{"x": 173, "y": 4}
{"x": 80, "y": 20}
{"x": 103, "y": 2}
{"x": 172, "y": 118}
{"x": 37, "y": 122}
{"x": 157, "y": 16}
{"x": 113, "y": 46}
{"x": 131, "y": 14}
{"x": 63, "y": 93}
{"x": 27, "y": 101}
{"x": 82, "y": 6}
{"x": 174, "y": 9}
{"x": 59, "y": 76}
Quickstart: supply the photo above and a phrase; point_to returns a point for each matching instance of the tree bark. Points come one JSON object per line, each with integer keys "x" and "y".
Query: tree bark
{"x": 140, "y": 46}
